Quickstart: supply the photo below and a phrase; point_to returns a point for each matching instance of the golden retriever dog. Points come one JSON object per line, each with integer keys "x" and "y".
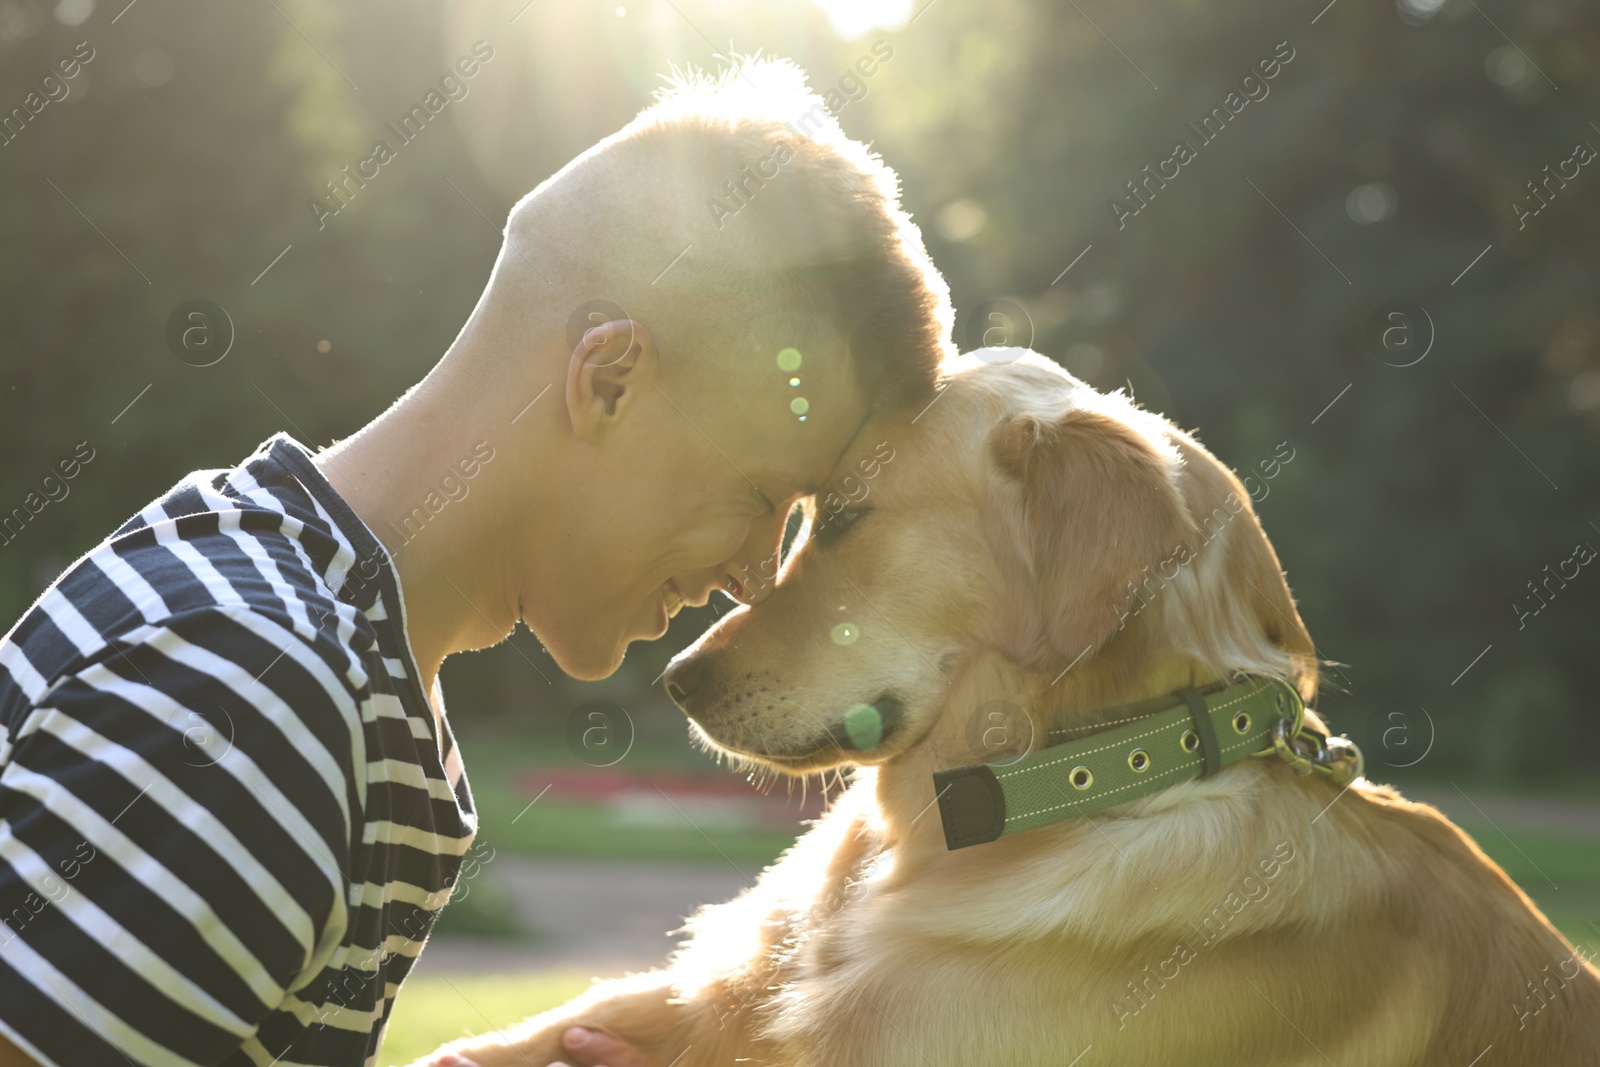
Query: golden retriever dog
{"x": 1030, "y": 543}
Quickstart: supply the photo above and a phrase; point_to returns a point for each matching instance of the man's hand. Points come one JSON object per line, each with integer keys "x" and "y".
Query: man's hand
{"x": 589, "y": 1048}
{"x": 596, "y": 1048}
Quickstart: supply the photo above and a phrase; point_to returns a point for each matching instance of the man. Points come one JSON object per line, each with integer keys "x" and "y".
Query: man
{"x": 230, "y": 802}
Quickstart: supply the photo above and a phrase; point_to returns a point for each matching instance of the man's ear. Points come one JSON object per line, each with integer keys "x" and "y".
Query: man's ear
{"x": 610, "y": 366}
{"x": 1085, "y": 505}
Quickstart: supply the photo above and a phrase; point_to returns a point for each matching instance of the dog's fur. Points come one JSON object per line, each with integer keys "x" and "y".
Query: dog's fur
{"x": 1251, "y": 918}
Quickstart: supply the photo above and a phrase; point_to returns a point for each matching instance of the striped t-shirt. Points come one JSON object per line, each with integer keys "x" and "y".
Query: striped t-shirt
{"x": 227, "y": 821}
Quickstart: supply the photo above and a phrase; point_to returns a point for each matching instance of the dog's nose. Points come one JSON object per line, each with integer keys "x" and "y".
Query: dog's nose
{"x": 683, "y": 678}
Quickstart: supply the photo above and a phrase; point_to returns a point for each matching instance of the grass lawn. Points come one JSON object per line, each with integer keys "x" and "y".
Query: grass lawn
{"x": 431, "y": 1011}
{"x": 1561, "y": 874}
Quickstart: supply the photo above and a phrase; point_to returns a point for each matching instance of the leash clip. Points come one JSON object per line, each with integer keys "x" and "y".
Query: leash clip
{"x": 1306, "y": 751}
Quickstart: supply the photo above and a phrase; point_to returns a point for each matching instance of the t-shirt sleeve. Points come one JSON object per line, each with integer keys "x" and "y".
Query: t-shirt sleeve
{"x": 175, "y": 835}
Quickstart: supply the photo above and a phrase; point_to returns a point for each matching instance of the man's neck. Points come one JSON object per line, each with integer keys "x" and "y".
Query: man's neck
{"x": 403, "y": 474}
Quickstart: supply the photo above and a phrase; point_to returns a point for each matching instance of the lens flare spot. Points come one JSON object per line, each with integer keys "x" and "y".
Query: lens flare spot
{"x": 800, "y": 405}
{"x": 845, "y": 633}
{"x": 864, "y": 726}
{"x": 789, "y": 359}
{"x": 794, "y": 382}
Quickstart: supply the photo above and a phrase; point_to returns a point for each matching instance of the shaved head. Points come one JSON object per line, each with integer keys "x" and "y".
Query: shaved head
{"x": 736, "y": 220}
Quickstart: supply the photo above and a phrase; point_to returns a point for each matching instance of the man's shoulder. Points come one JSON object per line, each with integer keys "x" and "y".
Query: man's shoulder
{"x": 221, "y": 586}
{"x": 225, "y": 567}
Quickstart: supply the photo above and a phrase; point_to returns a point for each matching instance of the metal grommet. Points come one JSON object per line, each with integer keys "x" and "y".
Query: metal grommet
{"x": 1139, "y": 760}
{"x": 1241, "y": 723}
{"x": 1190, "y": 741}
{"x": 1081, "y": 778}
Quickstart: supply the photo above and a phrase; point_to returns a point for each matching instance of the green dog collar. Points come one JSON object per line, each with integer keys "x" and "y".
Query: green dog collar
{"x": 1145, "y": 748}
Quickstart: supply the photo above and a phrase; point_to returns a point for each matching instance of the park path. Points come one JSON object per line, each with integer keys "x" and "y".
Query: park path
{"x": 1557, "y": 817}
{"x": 601, "y": 915}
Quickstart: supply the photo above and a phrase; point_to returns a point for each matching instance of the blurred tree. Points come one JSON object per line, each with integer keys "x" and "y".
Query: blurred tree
{"x": 1382, "y": 159}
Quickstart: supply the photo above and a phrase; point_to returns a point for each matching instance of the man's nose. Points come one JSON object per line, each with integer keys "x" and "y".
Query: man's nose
{"x": 683, "y": 678}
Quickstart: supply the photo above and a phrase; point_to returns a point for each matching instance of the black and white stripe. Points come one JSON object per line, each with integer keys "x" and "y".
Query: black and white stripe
{"x": 226, "y": 821}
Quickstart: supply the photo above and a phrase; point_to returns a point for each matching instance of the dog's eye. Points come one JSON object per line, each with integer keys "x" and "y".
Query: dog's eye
{"x": 833, "y": 526}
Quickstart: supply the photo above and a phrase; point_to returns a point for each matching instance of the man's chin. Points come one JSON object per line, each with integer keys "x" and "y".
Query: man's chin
{"x": 588, "y": 661}
{"x": 591, "y": 670}
{"x": 598, "y": 656}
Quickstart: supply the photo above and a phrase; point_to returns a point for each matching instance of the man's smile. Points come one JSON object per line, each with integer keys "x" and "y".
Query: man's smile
{"x": 670, "y": 597}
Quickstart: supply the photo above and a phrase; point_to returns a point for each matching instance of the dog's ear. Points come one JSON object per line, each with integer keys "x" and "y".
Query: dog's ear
{"x": 1250, "y": 605}
{"x": 1084, "y": 506}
